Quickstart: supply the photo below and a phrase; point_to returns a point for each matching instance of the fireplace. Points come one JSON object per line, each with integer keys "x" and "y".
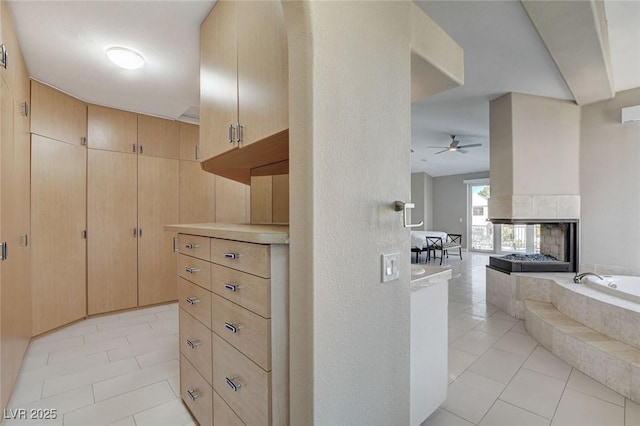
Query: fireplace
{"x": 556, "y": 250}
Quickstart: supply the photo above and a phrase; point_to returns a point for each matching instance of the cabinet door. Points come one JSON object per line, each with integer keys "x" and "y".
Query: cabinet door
{"x": 157, "y": 206}
{"x": 58, "y": 219}
{"x": 197, "y": 194}
{"x": 232, "y": 201}
{"x": 189, "y": 149}
{"x": 218, "y": 78}
{"x": 15, "y": 309}
{"x": 158, "y": 137}
{"x": 281, "y": 199}
{"x": 263, "y": 82}
{"x": 112, "y": 247}
{"x": 111, "y": 129}
{"x": 57, "y": 115}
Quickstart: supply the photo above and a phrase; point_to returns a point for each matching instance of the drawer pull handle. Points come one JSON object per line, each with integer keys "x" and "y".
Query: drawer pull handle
{"x": 233, "y": 385}
{"x": 193, "y": 395}
{"x": 232, "y": 287}
{"x": 192, "y": 270}
{"x": 193, "y": 343}
{"x": 231, "y": 255}
{"x": 191, "y": 246}
{"x": 231, "y": 327}
{"x": 192, "y": 300}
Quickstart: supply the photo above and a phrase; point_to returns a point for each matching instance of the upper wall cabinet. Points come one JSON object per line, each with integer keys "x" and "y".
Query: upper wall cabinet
{"x": 112, "y": 129}
{"x": 189, "y": 146}
{"x": 243, "y": 75}
{"x": 57, "y": 115}
{"x": 158, "y": 137}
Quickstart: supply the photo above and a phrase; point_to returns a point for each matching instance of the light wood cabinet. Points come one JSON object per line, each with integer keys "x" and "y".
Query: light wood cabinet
{"x": 243, "y": 351}
{"x": 111, "y": 129}
{"x": 189, "y": 147}
{"x": 158, "y": 137}
{"x": 57, "y": 115}
{"x": 197, "y": 194}
{"x": 58, "y": 221}
{"x": 112, "y": 220}
{"x": 270, "y": 199}
{"x": 233, "y": 201}
{"x": 243, "y": 75}
{"x": 157, "y": 206}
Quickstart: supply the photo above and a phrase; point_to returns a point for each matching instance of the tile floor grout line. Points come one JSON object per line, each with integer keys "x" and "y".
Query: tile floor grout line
{"x": 566, "y": 384}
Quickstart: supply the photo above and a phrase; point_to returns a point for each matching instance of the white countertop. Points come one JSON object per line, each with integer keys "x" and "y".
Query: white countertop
{"x": 429, "y": 276}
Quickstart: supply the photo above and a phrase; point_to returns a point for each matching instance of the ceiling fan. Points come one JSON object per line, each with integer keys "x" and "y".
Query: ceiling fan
{"x": 455, "y": 147}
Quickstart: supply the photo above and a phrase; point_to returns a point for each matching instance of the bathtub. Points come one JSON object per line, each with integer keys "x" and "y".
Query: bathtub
{"x": 625, "y": 287}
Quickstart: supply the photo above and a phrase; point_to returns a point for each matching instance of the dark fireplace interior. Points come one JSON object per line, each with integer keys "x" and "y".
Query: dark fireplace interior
{"x": 556, "y": 249}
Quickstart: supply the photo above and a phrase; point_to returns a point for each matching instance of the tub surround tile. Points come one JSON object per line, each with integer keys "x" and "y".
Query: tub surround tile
{"x": 595, "y": 363}
{"x": 568, "y": 348}
{"x": 630, "y": 327}
{"x": 631, "y": 413}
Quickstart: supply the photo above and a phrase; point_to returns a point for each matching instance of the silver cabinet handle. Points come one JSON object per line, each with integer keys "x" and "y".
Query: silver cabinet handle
{"x": 135, "y": 232}
{"x": 175, "y": 244}
{"x": 231, "y": 133}
{"x": 197, "y": 152}
{"x": 231, "y": 255}
{"x": 231, "y": 327}
{"x": 193, "y": 395}
{"x": 191, "y": 246}
{"x": 232, "y": 384}
{"x": 232, "y": 287}
{"x": 239, "y": 130}
{"x": 192, "y": 300}
{"x": 193, "y": 343}
{"x": 192, "y": 270}
{"x": 133, "y": 147}
{"x": 405, "y": 207}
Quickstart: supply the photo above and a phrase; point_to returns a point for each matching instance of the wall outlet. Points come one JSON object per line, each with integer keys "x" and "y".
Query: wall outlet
{"x": 390, "y": 267}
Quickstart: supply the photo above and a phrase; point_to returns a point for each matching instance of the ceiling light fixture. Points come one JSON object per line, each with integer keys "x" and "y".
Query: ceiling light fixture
{"x": 125, "y": 58}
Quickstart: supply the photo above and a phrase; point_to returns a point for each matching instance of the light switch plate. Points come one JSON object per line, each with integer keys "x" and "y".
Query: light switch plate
{"x": 390, "y": 267}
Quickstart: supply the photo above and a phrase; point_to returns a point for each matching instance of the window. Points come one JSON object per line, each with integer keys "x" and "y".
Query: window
{"x": 478, "y": 211}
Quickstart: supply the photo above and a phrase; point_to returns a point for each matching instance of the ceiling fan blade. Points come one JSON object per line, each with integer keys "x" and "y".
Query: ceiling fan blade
{"x": 462, "y": 151}
{"x": 438, "y": 147}
{"x": 440, "y": 152}
{"x": 473, "y": 145}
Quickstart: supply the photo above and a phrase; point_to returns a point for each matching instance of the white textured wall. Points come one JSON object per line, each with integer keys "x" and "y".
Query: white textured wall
{"x": 610, "y": 184}
{"x": 349, "y": 151}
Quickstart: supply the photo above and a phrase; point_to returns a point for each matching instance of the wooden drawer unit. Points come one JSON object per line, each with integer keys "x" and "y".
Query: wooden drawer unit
{"x": 196, "y": 393}
{"x": 194, "y": 245}
{"x": 195, "y": 344}
{"x": 223, "y": 414}
{"x": 195, "y": 300}
{"x": 241, "y": 383}
{"x": 234, "y": 323}
{"x": 244, "y": 289}
{"x": 246, "y": 257}
{"x": 246, "y": 331}
{"x": 197, "y": 271}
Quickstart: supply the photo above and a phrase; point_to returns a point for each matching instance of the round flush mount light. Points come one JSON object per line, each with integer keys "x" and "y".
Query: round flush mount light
{"x": 125, "y": 58}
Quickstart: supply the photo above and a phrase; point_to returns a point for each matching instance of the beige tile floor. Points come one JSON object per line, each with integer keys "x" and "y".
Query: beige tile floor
{"x": 118, "y": 369}
{"x": 499, "y": 376}
{"x": 122, "y": 370}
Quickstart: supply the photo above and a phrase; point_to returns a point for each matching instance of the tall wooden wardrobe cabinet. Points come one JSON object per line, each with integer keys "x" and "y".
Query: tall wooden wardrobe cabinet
{"x": 133, "y": 178}
{"x": 58, "y": 207}
{"x": 15, "y": 292}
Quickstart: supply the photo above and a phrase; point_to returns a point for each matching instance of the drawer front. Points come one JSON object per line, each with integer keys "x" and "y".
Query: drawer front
{"x": 195, "y": 300}
{"x": 195, "y": 270}
{"x": 244, "y": 289}
{"x": 250, "y": 400}
{"x": 223, "y": 415}
{"x": 195, "y": 344}
{"x": 247, "y": 257}
{"x": 196, "y": 393}
{"x": 246, "y": 331}
{"x": 194, "y": 245}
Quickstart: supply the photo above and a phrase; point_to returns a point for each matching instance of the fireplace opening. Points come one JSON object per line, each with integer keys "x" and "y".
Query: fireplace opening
{"x": 555, "y": 249}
